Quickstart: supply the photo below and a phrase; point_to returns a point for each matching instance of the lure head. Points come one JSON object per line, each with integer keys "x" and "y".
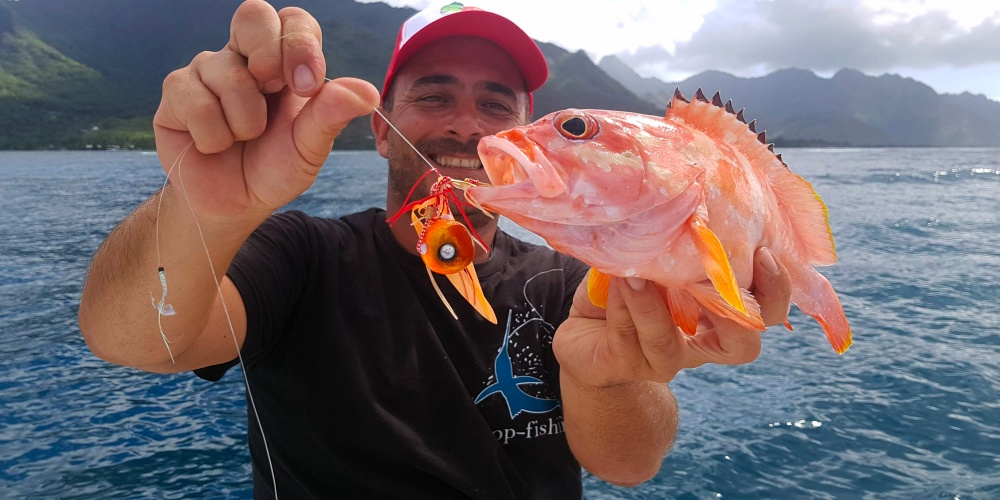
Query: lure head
{"x": 446, "y": 246}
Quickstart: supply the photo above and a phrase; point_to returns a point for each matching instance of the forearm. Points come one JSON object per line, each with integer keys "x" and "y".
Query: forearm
{"x": 619, "y": 433}
{"x": 118, "y": 315}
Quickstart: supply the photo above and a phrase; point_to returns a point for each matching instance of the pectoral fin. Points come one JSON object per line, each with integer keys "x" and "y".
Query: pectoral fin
{"x": 716, "y": 264}
{"x": 597, "y": 288}
{"x": 683, "y": 310}
{"x": 709, "y": 298}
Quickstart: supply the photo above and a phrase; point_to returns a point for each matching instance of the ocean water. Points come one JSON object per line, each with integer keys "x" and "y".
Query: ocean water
{"x": 912, "y": 410}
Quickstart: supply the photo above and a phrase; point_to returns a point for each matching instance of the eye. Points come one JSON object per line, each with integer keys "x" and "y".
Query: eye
{"x": 576, "y": 125}
{"x": 498, "y": 107}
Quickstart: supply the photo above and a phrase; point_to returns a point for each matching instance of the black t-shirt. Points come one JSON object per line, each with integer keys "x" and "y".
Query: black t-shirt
{"x": 367, "y": 387}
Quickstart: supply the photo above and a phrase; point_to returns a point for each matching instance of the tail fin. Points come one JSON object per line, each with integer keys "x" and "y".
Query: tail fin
{"x": 815, "y": 296}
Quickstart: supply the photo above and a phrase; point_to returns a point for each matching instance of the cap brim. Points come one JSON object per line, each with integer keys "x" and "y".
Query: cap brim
{"x": 481, "y": 24}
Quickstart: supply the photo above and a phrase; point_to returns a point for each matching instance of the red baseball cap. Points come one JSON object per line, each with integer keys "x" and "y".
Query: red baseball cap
{"x": 455, "y": 19}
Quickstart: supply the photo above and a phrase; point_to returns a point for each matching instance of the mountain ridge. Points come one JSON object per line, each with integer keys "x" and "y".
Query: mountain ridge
{"x": 798, "y": 107}
{"x": 84, "y": 74}
{"x": 130, "y": 47}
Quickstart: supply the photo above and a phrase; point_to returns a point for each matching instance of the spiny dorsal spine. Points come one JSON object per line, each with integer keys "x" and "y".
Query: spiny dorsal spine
{"x": 716, "y": 100}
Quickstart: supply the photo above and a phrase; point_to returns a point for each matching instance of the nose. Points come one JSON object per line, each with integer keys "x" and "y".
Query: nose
{"x": 467, "y": 123}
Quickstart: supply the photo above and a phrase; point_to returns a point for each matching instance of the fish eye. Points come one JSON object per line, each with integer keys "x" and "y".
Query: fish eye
{"x": 576, "y": 126}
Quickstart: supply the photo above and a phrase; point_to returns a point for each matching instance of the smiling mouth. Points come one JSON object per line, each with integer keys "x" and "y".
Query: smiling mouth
{"x": 457, "y": 162}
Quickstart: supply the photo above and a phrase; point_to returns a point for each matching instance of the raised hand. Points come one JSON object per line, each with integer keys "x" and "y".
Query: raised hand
{"x": 259, "y": 113}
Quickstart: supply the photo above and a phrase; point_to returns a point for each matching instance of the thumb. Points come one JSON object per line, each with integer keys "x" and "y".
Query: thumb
{"x": 772, "y": 287}
{"x": 326, "y": 114}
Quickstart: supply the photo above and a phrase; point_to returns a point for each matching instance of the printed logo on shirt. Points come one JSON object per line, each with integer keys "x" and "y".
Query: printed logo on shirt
{"x": 509, "y": 386}
{"x": 519, "y": 378}
{"x": 532, "y": 429}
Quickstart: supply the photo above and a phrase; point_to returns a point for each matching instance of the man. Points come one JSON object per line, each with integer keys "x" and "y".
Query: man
{"x": 364, "y": 384}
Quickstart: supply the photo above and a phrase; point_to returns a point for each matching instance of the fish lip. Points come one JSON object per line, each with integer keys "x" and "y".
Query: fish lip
{"x": 540, "y": 172}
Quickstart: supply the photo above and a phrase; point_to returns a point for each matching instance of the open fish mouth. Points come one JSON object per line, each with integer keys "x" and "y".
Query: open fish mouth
{"x": 509, "y": 164}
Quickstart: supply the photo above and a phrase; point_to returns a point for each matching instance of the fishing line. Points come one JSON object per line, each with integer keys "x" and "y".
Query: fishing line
{"x": 407, "y": 141}
{"x": 222, "y": 299}
{"x": 401, "y": 136}
{"x": 165, "y": 309}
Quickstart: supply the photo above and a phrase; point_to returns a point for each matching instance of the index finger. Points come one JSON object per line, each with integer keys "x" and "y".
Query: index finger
{"x": 255, "y": 34}
{"x": 582, "y": 306}
{"x": 302, "y": 51}
{"x": 643, "y": 312}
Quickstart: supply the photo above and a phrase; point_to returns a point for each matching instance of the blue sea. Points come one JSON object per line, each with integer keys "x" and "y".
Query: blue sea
{"x": 912, "y": 410}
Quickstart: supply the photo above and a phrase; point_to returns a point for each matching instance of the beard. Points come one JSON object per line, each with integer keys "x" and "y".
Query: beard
{"x": 406, "y": 167}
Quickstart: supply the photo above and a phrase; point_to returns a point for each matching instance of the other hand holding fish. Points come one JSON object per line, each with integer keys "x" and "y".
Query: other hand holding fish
{"x": 636, "y": 339}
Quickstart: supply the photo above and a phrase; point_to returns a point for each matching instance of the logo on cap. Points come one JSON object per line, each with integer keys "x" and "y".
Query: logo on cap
{"x": 451, "y": 8}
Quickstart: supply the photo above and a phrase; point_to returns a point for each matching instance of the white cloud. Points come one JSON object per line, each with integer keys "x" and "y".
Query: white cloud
{"x": 932, "y": 40}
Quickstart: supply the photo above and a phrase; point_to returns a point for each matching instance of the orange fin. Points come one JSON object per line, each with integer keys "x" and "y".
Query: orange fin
{"x": 789, "y": 326}
{"x": 597, "y": 288}
{"x": 800, "y": 205}
{"x": 466, "y": 282}
{"x": 683, "y": 310}
{"x": 716, "y": 264}
{"x": 709, "y": 298}
{"x": 806, "y": 212}
{"x": 823, "y": 305}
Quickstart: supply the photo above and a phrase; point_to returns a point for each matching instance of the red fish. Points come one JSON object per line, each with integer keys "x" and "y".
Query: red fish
{"x": 683, "y": 200}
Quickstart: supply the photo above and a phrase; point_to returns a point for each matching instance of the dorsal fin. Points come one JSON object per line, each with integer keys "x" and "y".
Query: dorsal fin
{"x": 803, "y": 208}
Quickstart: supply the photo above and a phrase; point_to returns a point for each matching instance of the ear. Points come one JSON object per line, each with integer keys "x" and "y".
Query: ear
{"x": 381, "y": 131}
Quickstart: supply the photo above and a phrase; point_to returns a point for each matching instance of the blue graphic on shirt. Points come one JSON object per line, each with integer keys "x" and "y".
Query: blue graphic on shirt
{"x": 509, "y": 386}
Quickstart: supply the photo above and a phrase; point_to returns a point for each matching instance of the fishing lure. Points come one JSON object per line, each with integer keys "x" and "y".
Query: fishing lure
{"x": 445, "y": 245}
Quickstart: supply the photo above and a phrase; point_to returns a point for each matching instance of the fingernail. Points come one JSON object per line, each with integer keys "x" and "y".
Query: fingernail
{"x": 636, "y": 284}
{"x": 303, "y": 78}
{"x": 767, "y": 261}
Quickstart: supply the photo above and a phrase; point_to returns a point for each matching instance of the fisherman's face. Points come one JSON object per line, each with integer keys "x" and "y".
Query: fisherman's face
{"x": 447, "y": 97}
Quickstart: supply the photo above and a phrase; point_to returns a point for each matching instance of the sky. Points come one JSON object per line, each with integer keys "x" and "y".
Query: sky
{"x": 951, "y": 45}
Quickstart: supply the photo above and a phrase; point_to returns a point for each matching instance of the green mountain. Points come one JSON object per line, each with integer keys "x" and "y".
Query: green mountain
{"x": 797, "y": 107}
{"x": 79, "y": 73}
{"x": 575, "y": 82}
{"x": 88, "y": 73}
